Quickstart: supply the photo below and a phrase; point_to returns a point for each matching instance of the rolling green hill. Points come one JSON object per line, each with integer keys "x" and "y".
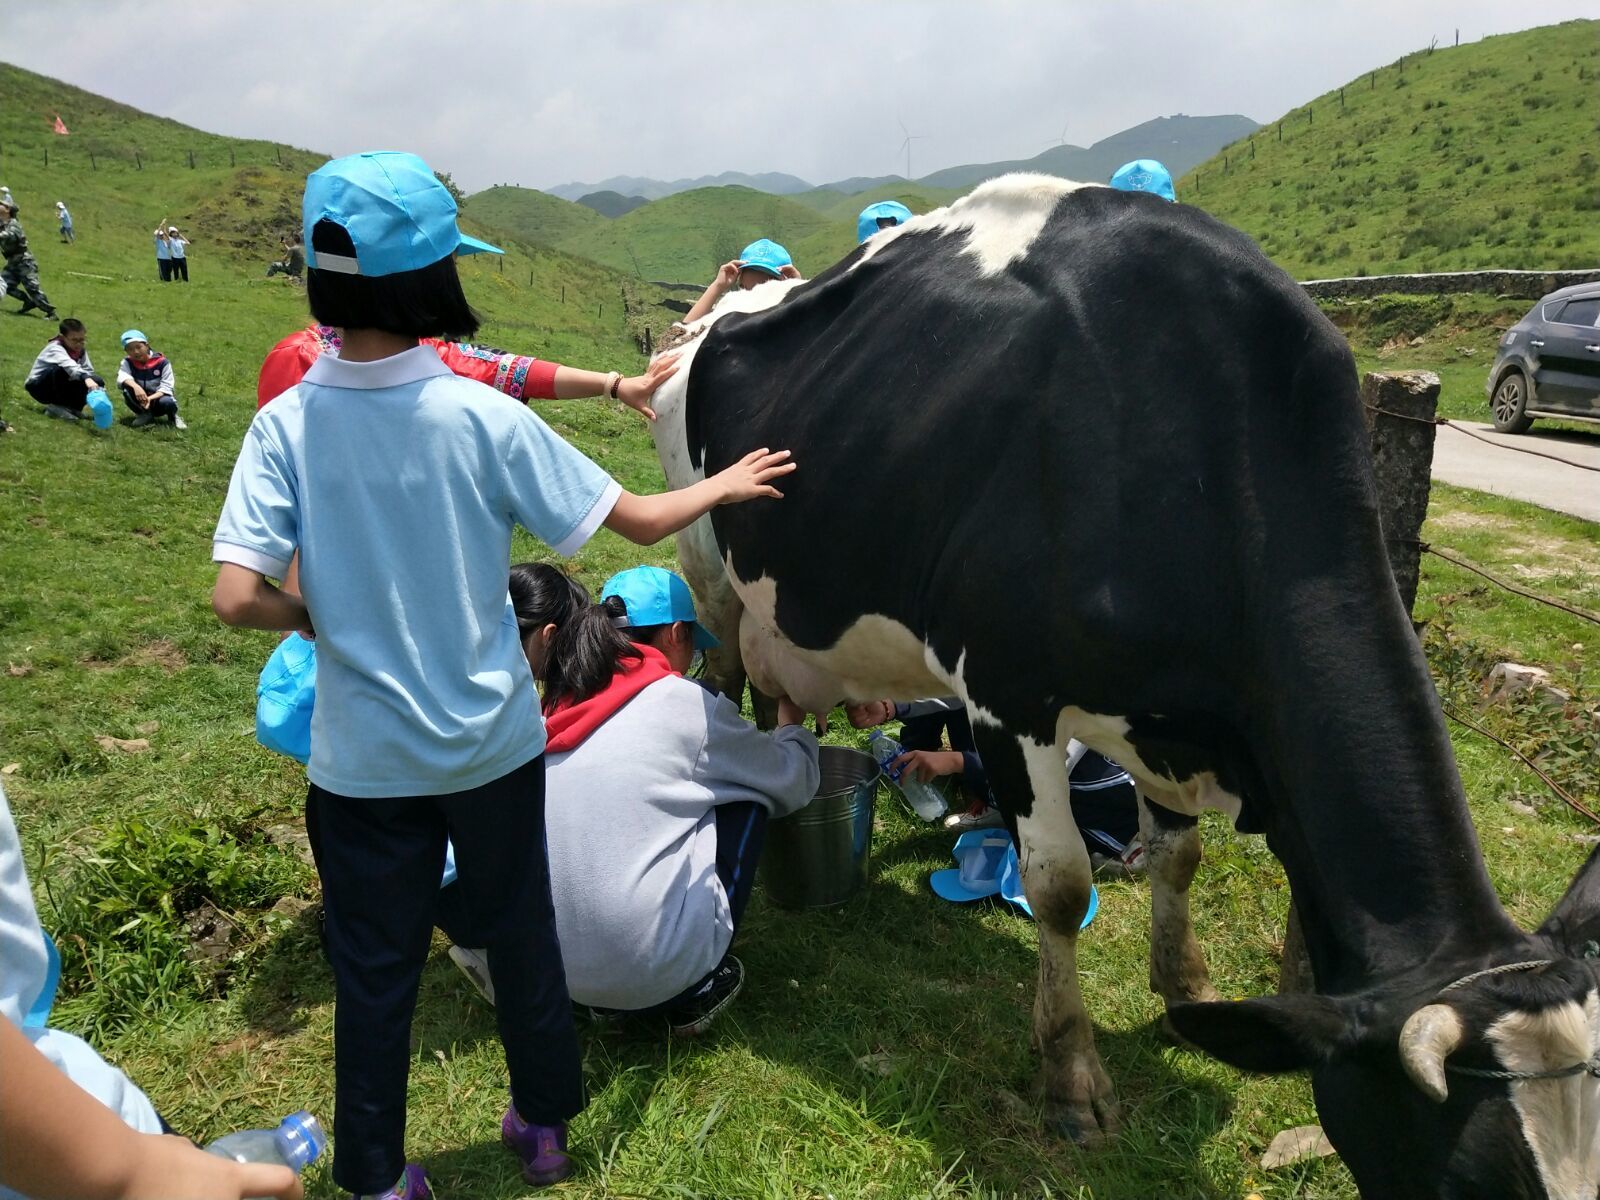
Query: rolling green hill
{"x": 1483, "y": 155}
{"x": 611, "y": 204}
{"x": 531, "y": 216}
{"x": 121, "y": 170}
{"x": 684, "y": 237}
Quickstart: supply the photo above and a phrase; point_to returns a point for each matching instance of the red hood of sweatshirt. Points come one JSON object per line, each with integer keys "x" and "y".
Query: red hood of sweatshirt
{"x": 567, "y": 724}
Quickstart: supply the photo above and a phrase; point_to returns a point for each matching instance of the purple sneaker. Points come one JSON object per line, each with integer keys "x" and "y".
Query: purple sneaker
{"x": 413, "y": 1185}
{"x": 542, "y": 1148}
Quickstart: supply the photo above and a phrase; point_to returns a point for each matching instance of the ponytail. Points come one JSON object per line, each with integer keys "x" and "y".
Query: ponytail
{"x": 586, "y": 654}
{"x": 544, "y": 595}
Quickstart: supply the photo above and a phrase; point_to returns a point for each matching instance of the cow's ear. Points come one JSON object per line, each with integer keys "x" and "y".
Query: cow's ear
{"x": 1271, "y": 1034}
{"x": 1573, "y": 926}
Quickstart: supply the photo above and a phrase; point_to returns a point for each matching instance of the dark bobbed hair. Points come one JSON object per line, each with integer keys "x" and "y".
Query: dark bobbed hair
{"x": 427, "y": 302}
{"x": 69, "y": 325}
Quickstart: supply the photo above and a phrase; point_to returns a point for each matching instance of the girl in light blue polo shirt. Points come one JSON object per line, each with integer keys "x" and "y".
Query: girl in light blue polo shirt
{"x": 399, "y": 484}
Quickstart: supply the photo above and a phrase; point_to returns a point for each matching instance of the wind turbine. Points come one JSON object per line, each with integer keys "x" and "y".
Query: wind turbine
{"x": 906, "y": 145}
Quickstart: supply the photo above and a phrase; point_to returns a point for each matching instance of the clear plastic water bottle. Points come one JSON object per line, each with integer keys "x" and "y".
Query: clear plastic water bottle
{"x": 295, "y": 1143}
{"x": 925, "y": 799}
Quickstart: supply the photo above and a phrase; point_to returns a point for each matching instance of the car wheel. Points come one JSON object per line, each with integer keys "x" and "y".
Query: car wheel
{"x": 1510, "y": 403}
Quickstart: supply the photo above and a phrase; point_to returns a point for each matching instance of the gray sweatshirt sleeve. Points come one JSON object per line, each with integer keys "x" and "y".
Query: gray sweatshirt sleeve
{"x": 777, "y": 770}
{"x": 55, "y": 354}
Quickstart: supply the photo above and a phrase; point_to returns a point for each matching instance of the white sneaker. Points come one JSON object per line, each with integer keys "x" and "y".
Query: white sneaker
{"x": 474, "y": 965}
{"x": 178, "y": 422}
{"x": 144, "y": 419}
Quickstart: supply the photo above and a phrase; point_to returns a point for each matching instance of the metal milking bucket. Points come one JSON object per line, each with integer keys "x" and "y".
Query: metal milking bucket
{"x": 818, "y": 856}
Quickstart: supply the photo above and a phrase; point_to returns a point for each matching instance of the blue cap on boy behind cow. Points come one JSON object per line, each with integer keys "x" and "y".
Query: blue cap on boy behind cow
{"x": 882, "y": 215}
{"x": 134, "y": 335}
{"x": 765, "y": 256}
{"x": 654, "y": 596}
{"x": 1144, "y": 175}
{"x": 397, "y": 213}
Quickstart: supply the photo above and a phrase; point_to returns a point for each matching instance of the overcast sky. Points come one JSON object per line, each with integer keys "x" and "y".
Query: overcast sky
{"x": 546, "y": 93}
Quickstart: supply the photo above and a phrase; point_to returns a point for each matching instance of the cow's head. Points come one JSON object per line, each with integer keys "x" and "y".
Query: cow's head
{"x": 1480, "y": 1085}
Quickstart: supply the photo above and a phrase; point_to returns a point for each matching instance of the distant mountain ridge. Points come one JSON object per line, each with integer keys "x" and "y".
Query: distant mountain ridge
{"x": 775, "y": 182}
{"x": 1181, "y": 142}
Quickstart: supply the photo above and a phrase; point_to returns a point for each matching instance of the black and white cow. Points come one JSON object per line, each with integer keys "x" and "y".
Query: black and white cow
{"x": 1124, "y": 463}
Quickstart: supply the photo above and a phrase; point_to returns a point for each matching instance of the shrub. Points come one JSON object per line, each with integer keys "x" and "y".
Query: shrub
{"x": 122, "y": 913}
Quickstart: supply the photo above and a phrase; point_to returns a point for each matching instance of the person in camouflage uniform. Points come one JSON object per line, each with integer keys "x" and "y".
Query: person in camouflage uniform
{"x": 21, "y": 273}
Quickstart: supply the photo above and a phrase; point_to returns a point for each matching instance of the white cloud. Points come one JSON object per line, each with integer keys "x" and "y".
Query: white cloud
{"x": 545, "y": 93}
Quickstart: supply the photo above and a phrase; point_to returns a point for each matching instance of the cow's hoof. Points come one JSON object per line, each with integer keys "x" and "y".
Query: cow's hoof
{"x": 1089, "y": 1125}
{"x": 1082, "y": 1105}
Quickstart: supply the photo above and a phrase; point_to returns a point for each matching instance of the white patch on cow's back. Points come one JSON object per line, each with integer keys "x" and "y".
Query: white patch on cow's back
{"x": 1559, "y": 1116}
{"x": 1000, "y": 218}
{"x": 876, "y": 657}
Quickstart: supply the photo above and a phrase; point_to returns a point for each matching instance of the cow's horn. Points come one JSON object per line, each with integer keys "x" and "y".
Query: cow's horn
{"x": 1429, "y": 1036}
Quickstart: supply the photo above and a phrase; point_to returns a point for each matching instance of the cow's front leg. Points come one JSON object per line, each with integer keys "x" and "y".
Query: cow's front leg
{"x": 1172, "y": 855}
{"x": 1030, "y": 785}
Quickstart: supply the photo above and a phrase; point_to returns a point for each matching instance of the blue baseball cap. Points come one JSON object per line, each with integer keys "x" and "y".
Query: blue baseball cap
{"x": 765, "y": 255}
{"x": 1144, "y": 175}
{"x": 397, "y": 213}
{"x": 133, "y": 335}
{"x": 867, "y": 222}
{"x": 654, "y": 596}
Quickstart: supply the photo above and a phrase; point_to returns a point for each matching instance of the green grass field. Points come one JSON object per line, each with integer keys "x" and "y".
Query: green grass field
{"x": 879, "y": 1049}
{"x": 1477, "y": 156}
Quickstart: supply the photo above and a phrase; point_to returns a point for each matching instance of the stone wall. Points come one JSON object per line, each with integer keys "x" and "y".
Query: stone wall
{"x": 1525, "y": 285}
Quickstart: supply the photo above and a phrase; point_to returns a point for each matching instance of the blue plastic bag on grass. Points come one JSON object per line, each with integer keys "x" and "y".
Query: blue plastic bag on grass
{"x": 285, "y": 697}
{"x": 100, "y": 407}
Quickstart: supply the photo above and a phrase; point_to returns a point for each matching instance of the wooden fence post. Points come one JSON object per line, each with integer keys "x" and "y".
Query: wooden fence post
{"x": 1399, "y": 408}
{"x": 231, "y": 163}
{"x": 93, "y": 166}
{"x": 47, "y": 156}
{"x": 137, "y": 161}
{"x": 191, "y": 160}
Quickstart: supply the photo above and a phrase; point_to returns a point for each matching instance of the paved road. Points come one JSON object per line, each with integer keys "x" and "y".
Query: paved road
{"x": 1467, "y": 462}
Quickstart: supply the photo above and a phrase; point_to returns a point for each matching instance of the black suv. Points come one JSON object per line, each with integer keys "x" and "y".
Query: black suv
{"x": 1548, "y": 364}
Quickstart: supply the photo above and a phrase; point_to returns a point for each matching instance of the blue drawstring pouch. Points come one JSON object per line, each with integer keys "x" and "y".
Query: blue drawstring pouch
{"x": 285, "y": 697}
{"x": 100, "y": 405}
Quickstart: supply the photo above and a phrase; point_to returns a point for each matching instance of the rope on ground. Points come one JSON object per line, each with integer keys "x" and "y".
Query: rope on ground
{"x": 1426, "y": 548}
{"x": 1400, "y": 416}
{"x": 1574, "y": 804}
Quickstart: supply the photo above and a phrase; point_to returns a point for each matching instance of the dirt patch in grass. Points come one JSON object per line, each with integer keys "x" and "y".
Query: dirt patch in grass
{"x": 159, "y": 653}
{"x": 1461, "y": 519}
{"x": 1561, "y": 556}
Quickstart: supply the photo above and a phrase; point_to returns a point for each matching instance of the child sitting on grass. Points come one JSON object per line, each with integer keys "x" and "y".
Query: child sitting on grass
{"x": 147, "y": 383}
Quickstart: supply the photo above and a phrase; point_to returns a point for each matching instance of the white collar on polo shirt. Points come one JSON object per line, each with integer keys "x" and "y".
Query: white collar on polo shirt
{"x": 409, "y": 366}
